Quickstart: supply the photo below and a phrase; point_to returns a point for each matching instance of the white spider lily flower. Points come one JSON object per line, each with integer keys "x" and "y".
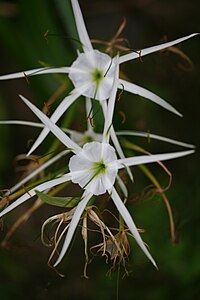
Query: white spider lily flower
{"x": 91, "y": 167}
{"x": 98, "y": 69}
{"x": 94, "y": 167}
{"x": 92, "y": 75}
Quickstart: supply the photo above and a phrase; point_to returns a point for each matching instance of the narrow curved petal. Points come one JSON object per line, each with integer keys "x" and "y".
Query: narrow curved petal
{"x": 138, "y": 90}
{"x": 52, "y": 127}
{"x": 23, "y": 123}
{"x": 115, "y": 139}
{"x": 73, "y": 224}
{"x": 34, "y": 72}
{"x": 127, "y": 57}
{"x": 129, "y": 222}
{"x": 146, "y": 159}
{"x": 80, "y": 24}
{"x": 78, "y": 137}
{"x": 60, "y": 110}
{"x": 122, "y": 186}
{"x": 111, "y": 104}
{"x": 40, "y": 125}
{"x": 42, "y": 187}
{"x": 37, "y": 171}
{"x": 119, "y": 150}
{"x": 89, "y": 112}
{"x": 154, "y": 137}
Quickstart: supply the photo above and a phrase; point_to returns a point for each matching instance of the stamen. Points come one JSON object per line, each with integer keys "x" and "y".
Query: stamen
{"x": 46, "y": 109}
{"x": 36, "y": 72}
{"x": 108, "y": 68}
{"x": 91, "y": 121}
{"x": 120, "y": 93}
{"x": 91, "y": 118}
{"x": 140, "y": 56}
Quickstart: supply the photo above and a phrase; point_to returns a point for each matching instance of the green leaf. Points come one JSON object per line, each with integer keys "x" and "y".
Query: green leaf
{"x": 59, "y": 201}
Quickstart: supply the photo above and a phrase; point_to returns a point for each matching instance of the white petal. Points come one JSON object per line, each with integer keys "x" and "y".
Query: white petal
{"x": 73, "y": 224}
{"x": 103, "y": 90}
{"x": 127, "y": 57}
{"x": 109, "y": 178}
{"x": 83, "y": 35}
{"x": 34, "y": 72}
{"x": 108, "y": 153}
{"x": 54, "y": 129}
{"x": 80, "y": 163}
{"x": 81, "y": 166}
{"x": 92, "y": 151}
{"x": 129, "y": 222}
{"x": 154, "y": 136}
{"x": 102, "y": 182}
{"x": 145, "y": 159}
{"x": 96, "y": 186}
{"x": 137, "y": 90}
{"x": 83, "y": 179}
{"x": 60, "y": 110}
{"x": 42, "y": 187}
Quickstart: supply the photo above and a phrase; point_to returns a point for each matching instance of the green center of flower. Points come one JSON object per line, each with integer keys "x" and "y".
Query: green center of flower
{"x": 99, "y": 167}
{"x": 97, "y": 76}
{"x": 88, "y": 139}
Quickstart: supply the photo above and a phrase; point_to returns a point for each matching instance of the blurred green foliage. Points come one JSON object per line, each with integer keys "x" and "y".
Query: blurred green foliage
{"x": 23, "y": 270}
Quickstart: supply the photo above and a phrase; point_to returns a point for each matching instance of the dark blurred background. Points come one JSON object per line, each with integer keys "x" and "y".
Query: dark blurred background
{"x": 23, "y": 269}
